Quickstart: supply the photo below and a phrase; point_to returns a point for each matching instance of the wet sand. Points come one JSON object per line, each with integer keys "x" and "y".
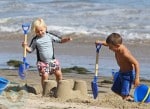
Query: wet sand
{"x": 79, "y": 52}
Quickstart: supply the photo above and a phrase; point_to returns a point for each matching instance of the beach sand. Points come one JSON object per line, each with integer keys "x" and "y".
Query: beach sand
{"x": 106, "y": 98}
{"x": 80, "y": 46}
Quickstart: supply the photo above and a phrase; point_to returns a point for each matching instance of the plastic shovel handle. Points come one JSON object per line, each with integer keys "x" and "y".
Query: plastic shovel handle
{"x": 98, "y": 46}
{"x": 25, "y": 28}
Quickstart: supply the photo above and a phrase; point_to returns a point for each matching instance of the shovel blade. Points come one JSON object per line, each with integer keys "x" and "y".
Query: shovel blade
{"x": 94, "y": 86}
{"x": 22, "y": 69}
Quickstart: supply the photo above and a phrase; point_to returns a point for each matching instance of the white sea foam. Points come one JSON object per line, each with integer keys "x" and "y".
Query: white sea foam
{"x": 4, "y": 20}
{"x": 9, "y": 29}
{"x": 67, "y": 30}
{"x": 87, "y": 17}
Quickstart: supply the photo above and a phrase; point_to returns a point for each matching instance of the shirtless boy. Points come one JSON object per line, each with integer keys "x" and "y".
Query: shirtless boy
{"x": 129, "y": 66}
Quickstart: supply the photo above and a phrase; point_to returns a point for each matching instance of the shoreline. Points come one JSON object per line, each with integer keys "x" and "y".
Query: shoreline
{"x": 78, "y": 52}
{"x": 35, "y": 71}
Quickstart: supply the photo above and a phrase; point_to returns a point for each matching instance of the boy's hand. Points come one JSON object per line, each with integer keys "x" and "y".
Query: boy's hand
{"x": 27, "y": 47}
{"x": 24, "y": 44}
{"x": 101, "y": 42}
{"x": 136, "y": 82}
{"x": 70, "y": 39}
{"x": 63, "y": 40}
{"x": 97, "y": 42}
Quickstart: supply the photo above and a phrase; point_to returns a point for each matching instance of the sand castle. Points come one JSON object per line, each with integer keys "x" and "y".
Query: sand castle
{"x": 66, "y": 89}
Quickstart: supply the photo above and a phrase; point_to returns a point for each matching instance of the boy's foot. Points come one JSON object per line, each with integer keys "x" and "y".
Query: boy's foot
{"x": 129, "y": 98}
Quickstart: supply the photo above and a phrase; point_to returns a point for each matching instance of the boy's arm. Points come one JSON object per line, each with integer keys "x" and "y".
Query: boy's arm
{"x": 137, "y": 79}
{"x": 101, "y": 42}
{"x": 137, "y": 74}
{"x": 63, "y": 40}
{"x": 27, "y": 47}
{"x": 136, "y": 66}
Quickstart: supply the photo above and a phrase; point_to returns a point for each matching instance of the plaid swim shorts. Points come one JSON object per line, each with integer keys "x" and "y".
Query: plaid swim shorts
{"x": 48, "y": 68}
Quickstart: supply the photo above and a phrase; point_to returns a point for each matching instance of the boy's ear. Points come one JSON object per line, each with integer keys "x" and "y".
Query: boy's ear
{"x": 118, "y": 45}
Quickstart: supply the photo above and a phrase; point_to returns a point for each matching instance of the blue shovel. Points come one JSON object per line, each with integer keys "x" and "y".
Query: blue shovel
{"x": 24, "y": 65}
{"x": 94, "y": 82}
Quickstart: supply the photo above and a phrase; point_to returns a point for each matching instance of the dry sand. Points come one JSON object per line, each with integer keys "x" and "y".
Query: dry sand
{"x": 105, "y": 100}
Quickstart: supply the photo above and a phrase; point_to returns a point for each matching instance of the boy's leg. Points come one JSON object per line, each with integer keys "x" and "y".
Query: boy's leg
{"x": 122, "y": 86}
{"x": 58, "y": 75}
{"x": 43, "y": 78}
{"x": 116, "y": 87}
{"x": 126, "y": 87}
{"x": 56, "y": 69}
{"x": 43, "y": 69}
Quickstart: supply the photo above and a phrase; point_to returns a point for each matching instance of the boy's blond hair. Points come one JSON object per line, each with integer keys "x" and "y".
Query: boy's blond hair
{"x": 38, "y": 22}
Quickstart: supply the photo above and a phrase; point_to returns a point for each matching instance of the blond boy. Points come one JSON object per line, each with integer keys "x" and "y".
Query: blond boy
{"x": 43, "y": 43}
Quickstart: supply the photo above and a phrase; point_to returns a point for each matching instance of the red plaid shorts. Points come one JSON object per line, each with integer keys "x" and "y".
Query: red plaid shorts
{"x": 48, "y": 68}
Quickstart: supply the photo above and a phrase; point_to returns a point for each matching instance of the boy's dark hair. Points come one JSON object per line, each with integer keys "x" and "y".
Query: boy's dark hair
{"x": 114, "y": 39}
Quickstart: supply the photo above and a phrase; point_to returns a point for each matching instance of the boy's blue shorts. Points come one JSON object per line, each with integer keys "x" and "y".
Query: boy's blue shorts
{"x": 123, "y": 82}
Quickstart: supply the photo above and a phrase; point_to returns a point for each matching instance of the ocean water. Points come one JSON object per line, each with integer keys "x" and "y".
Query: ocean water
{"x": 92, "y": 17}
{"x": 130, "y": 18}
